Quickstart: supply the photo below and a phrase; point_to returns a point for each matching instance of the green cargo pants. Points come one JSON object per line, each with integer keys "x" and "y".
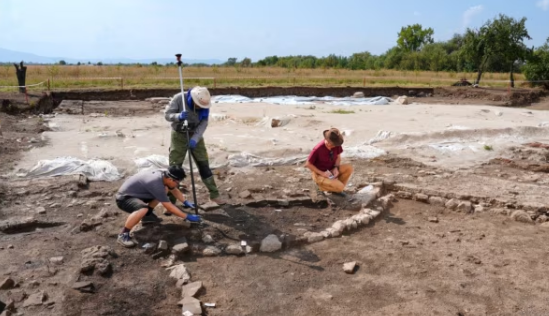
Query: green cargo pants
{"x": 178, "y": 152}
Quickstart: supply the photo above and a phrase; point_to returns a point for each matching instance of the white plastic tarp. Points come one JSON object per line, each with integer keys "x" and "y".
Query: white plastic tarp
{"x": 295, "y": 100}
{"x": 93, "y": 169}
{"x": 246, "y": 159}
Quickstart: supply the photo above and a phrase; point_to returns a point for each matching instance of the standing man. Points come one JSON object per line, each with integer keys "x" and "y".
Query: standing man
{"x": 325, "y": 163}
{"x": 197, "y": 102}
{"x": 142, "y": 192}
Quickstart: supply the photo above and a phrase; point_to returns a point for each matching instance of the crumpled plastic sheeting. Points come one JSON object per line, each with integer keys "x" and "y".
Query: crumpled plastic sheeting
{"x": 152, "y": 162}
{"x": 246, "y": 159}
{"x": 363, "y": 152}
{"x": 381, "y": 135}
{"x": 295, "y": 100}
{"x": 93, "y": 169}
{"x": 156, "y": 162}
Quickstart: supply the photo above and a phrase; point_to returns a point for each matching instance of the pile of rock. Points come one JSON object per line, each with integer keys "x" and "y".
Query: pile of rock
{"x": 94, "y": 259}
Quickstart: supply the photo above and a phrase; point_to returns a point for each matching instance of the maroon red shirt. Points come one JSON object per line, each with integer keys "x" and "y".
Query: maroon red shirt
{"x": 323, "y": 158}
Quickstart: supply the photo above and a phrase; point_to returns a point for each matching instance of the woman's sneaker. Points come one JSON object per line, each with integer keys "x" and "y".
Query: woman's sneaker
{"x": 125, "y": 240}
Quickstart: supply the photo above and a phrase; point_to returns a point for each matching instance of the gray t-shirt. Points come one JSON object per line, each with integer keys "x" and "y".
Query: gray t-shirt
{"x": 146, "y": 184}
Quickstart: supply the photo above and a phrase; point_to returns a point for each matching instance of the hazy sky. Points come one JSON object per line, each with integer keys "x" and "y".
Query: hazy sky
{"x": 240, "y": 28}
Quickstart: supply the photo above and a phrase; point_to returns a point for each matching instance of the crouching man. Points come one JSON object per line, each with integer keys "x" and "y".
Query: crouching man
{"x": 142, "y": 192}
{"x": 325, "y": 164}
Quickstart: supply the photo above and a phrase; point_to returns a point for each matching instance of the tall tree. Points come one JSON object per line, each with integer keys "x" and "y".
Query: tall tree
{"x": 412, "y": 37}
{"x": 507, "y": 41}
{"x": 536, "y": 69}
{"x": 474, "y": 50}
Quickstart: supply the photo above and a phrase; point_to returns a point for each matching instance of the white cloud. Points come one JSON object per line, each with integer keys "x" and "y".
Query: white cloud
{"x": 416, "y": 13}
{"x": 470, "y": 13}
{"x": 543, "y": 4}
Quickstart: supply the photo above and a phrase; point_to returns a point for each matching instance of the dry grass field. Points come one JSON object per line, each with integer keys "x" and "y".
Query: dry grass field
{"x": 116, "y": 77}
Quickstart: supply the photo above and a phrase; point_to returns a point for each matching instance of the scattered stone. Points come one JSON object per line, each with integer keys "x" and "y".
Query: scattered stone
{"x": 11, "y": 305}
{"x": 40, "y": 210}
{"x": 104, "y": 213}
{"x": 326, "y": 233}
{"x": 433, "y": 219}
{"x": 402, "y": 100}
{"x": 191, "y": 289}
{"x": 36, "y": 299}
{"x": 96, "y": 257}
{"x": 192, "y": 305}
{"x": 34, "y": 283}
{"x": 521, "y": 216}
{"x": 180, "y": 246}
{"x": 7, "y": 284}
{"x": 84, "y": 287}
{"x": 104, "y": 268}
{"x": 366, "y": 195}
{"x": 6, "y": 313}
{"x": 163, "y": 245}
{"x": 209, "y": 206}
{"x": 234, "y": 249}
{"x": 82, "y": 181}
{"x": 404, "y": 195}
{"x": 465, "y": 206}
{"x": 10, "y": 247}
{"x": 421, "y": 197}
{"x": 542, "y": 219}
{"x": 479, "y": 208}
{"x": 207, "y": 239}
{"x": 88, "y": 225}
{"x": 335, "y": 232}
{"x": 358, "y": 94}
{"x": 452, "y": 204}
{"x": 436, "y": 200}
{"x": 57, "y": 260}
{"x": 349, "y": 267}
{"x": 348, "y": 224}
{"x": 18, "y": 295}
{"x": 313, "y": 237}
{"x": 245, "y": 194}
{"x": 180, "y": 273}
{"x": 270, "y": 244}
{"x": 211, "y": 251}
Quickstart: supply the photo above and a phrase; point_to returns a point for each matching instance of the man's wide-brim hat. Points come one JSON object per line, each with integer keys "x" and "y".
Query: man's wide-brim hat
{"x": 201, "y": 97}
{"x": 333, "y": 136}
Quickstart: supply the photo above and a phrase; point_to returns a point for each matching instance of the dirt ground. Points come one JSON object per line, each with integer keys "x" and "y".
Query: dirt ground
{"x": 416, "y": 258}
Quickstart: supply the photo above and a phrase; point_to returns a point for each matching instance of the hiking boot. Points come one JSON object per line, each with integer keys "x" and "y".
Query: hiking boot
{"x": 219, "y": 200}
{"x": 125, "y": 240}
{"x": 151, "y": 219}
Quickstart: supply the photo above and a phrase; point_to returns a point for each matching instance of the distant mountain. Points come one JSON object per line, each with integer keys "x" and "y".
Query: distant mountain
{"x": 10, "y": 56}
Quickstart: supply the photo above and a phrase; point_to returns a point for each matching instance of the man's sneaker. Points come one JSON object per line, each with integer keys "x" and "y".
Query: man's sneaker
{"x": 125, "y": 240}
{"x": 151, "y": 219}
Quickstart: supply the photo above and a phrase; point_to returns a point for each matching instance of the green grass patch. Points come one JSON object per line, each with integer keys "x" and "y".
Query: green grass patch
{"x": 342, "y": 111}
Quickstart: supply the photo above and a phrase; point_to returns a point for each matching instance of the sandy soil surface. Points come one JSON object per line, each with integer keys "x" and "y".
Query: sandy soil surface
{"x": 420, "y": 256}
{"x": 450, "y": 136}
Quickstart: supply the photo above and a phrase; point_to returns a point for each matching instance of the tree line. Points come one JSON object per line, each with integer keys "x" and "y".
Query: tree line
{"x": 497, "y": 46}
